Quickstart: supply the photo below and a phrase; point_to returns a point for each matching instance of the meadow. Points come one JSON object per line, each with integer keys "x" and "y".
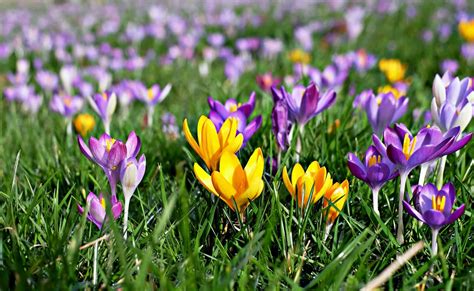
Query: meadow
{"x": 215, "y": 145}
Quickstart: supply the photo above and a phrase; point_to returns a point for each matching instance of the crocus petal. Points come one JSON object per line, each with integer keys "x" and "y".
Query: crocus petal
{"x": 412, "y": 211}
{"x": 434, "y": 218}
{"x": 204, "y": 178}
{"x": 455, "y": 215}
{"x": 84, "y": 148}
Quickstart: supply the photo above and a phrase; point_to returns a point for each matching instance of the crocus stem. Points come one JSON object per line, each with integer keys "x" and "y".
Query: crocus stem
{"x": 298, "y": 143}
{"x": 403, "y": 180}
{"x": 442, "y": 164}
{"x": 69, "y": 127}
{"x": 151, "y": 110}
{"x": 107, "y": 127}
{"x": 434, "y": 242}
{"x": 125, "y": 218}
{"x": 96, "y": 250}
{"x": 375, "y": 198}
{"x": 327, "y": 230}
{"x": 423, "y": 171}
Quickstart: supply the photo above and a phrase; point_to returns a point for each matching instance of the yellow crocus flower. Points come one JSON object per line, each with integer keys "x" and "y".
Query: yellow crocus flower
{"x": 315, "y": 179}
{"x": 232, "y": 183}
{"x": 211, "y": 144}
{"x": 466, "y": 29}
{"x": 299, "y": 56}
{"x": 393, "y": 69}
{"x": 84, "y": 123}
{"x": 337, "y": 194}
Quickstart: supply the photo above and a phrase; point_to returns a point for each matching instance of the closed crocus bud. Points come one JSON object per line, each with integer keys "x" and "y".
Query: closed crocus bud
{"x": 104, "y": 104}
{"x": 439, "y": 91}
{"x": 84, "y": 123}
{"x": 131, "y": 174}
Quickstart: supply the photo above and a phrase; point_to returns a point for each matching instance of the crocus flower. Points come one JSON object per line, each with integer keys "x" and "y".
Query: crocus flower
{"x": 375, "y": 172}
{"x": 407, "y": 152}
{"x": 334, "y": 200}
{"x": 104, "y": 104}
{"x": 47, "y": 80}
{"x": 466, "y": 29}
{"x": 299, "y": 56}
{"x": 449, "y": 65}
{"x": 108, "y": 153}
{"x": 131, "y": 174}
{"x": 364, "y": 61}
{"x": 393, "y": 69}
{"x": 361, "y": 99}
{"x": 151, "y": 97}
{"x": 305, "y": 185}
{"x": 383, "y": 110}
{"x": 304, "y": 103}
{"x": 212, "y": 143}
{"x": 241, "y": 112}
{"x": 84, "y": 123}
{"x": 434, "y": 207}
{"x": 233, "y": 184}
{"x": 97, "y": 212}
{"x": 281, "y": 125}
{"x": 451, "y": 104}
{"x": 267, "y": 81}
{"x": 65, "y": 104}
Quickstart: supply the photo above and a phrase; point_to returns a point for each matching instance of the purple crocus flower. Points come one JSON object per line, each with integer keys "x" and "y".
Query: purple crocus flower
{"x": 281, "y": 125}
{"x": 65, "y": 104}
{"x": 434, "y": 207}
{"x": 151, "y": 97}
{"x": 363, "y": 61}
{"x": 231, "y": 108}
{"x": 450, "y": 65}
{"x": 304, "y": 103}
{"x": 97, "y": 212}
{"x": 383, "y": 110}
{"x": 375, "y": 172}
{"x": 104, "y": 104}
{"x": 108, "y": 153}
{"x": 407, "y": 152}
{"x": 131, "y": 174}
{"x": 47, "y": 80}
{"x": 451, "y": 105}
{"x": 361, "y": 99}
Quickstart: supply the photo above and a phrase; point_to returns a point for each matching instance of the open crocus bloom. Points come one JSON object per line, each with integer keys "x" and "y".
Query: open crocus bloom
{"x": 434, "y": 207}
{"x": 407, "y": 151}
{"x": 313, "y": 183}
{"x": 337, "y": 195}
{"x": 153, "y": 95}
{"x": 219, "y": 113}
{"x": 211, "y": 144}
{"x": 232, "y": 183}
{"x": 97, "y": 212}
{"x": 66, "y": 105}
{"x": 376, "y": 170}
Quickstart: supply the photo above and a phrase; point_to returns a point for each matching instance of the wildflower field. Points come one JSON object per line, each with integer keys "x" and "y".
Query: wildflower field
{"x": 320, "y": 145}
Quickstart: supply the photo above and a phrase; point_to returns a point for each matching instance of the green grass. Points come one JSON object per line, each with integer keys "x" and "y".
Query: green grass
{"x": 182, "y": 237}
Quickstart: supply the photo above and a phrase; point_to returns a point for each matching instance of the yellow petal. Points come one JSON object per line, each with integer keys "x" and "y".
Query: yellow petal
{"x": 254, "y": 167}
{"x": 204, "y": 178}
{"x": 227, "y": 132}
{"x": 253, "y": 191}
{"x": 297, "y": 172}
{"x": 234, "y": 144}
{"x": 223, "y": 187}
{"x": 227, "y": 165}
{"x": 200, "y": 127}
{"x": 313, "y": 167}
{"x": 210, "y": 144}
{"x": 304, "y": 187}
{"x": 190, "y": 138}
{"x": 287, "y": 182}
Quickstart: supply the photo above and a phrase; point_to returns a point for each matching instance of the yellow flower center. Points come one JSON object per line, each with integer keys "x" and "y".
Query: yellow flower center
{"x": 408, "y": 146}
{"x": 109, "y": 143}
{"x": 379, "y": 100}
{"x": 375, "y": 159}
{"x": 102, "y": 202}
{"x": 150, "y": 94}
{"x": 234, "y": 107}
{"x": 104, "y": 96}
{"x": 438, "y": 202}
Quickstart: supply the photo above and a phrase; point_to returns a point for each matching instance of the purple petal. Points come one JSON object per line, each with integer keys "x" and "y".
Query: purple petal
{"x": 456, "y": 214}
{"x": 412, "y": 211}
{"x": 133, "y": 145}
{"x": 84, "y": 148}
{"x": 434, "y": 218}
{"x": 356, "y": 167}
